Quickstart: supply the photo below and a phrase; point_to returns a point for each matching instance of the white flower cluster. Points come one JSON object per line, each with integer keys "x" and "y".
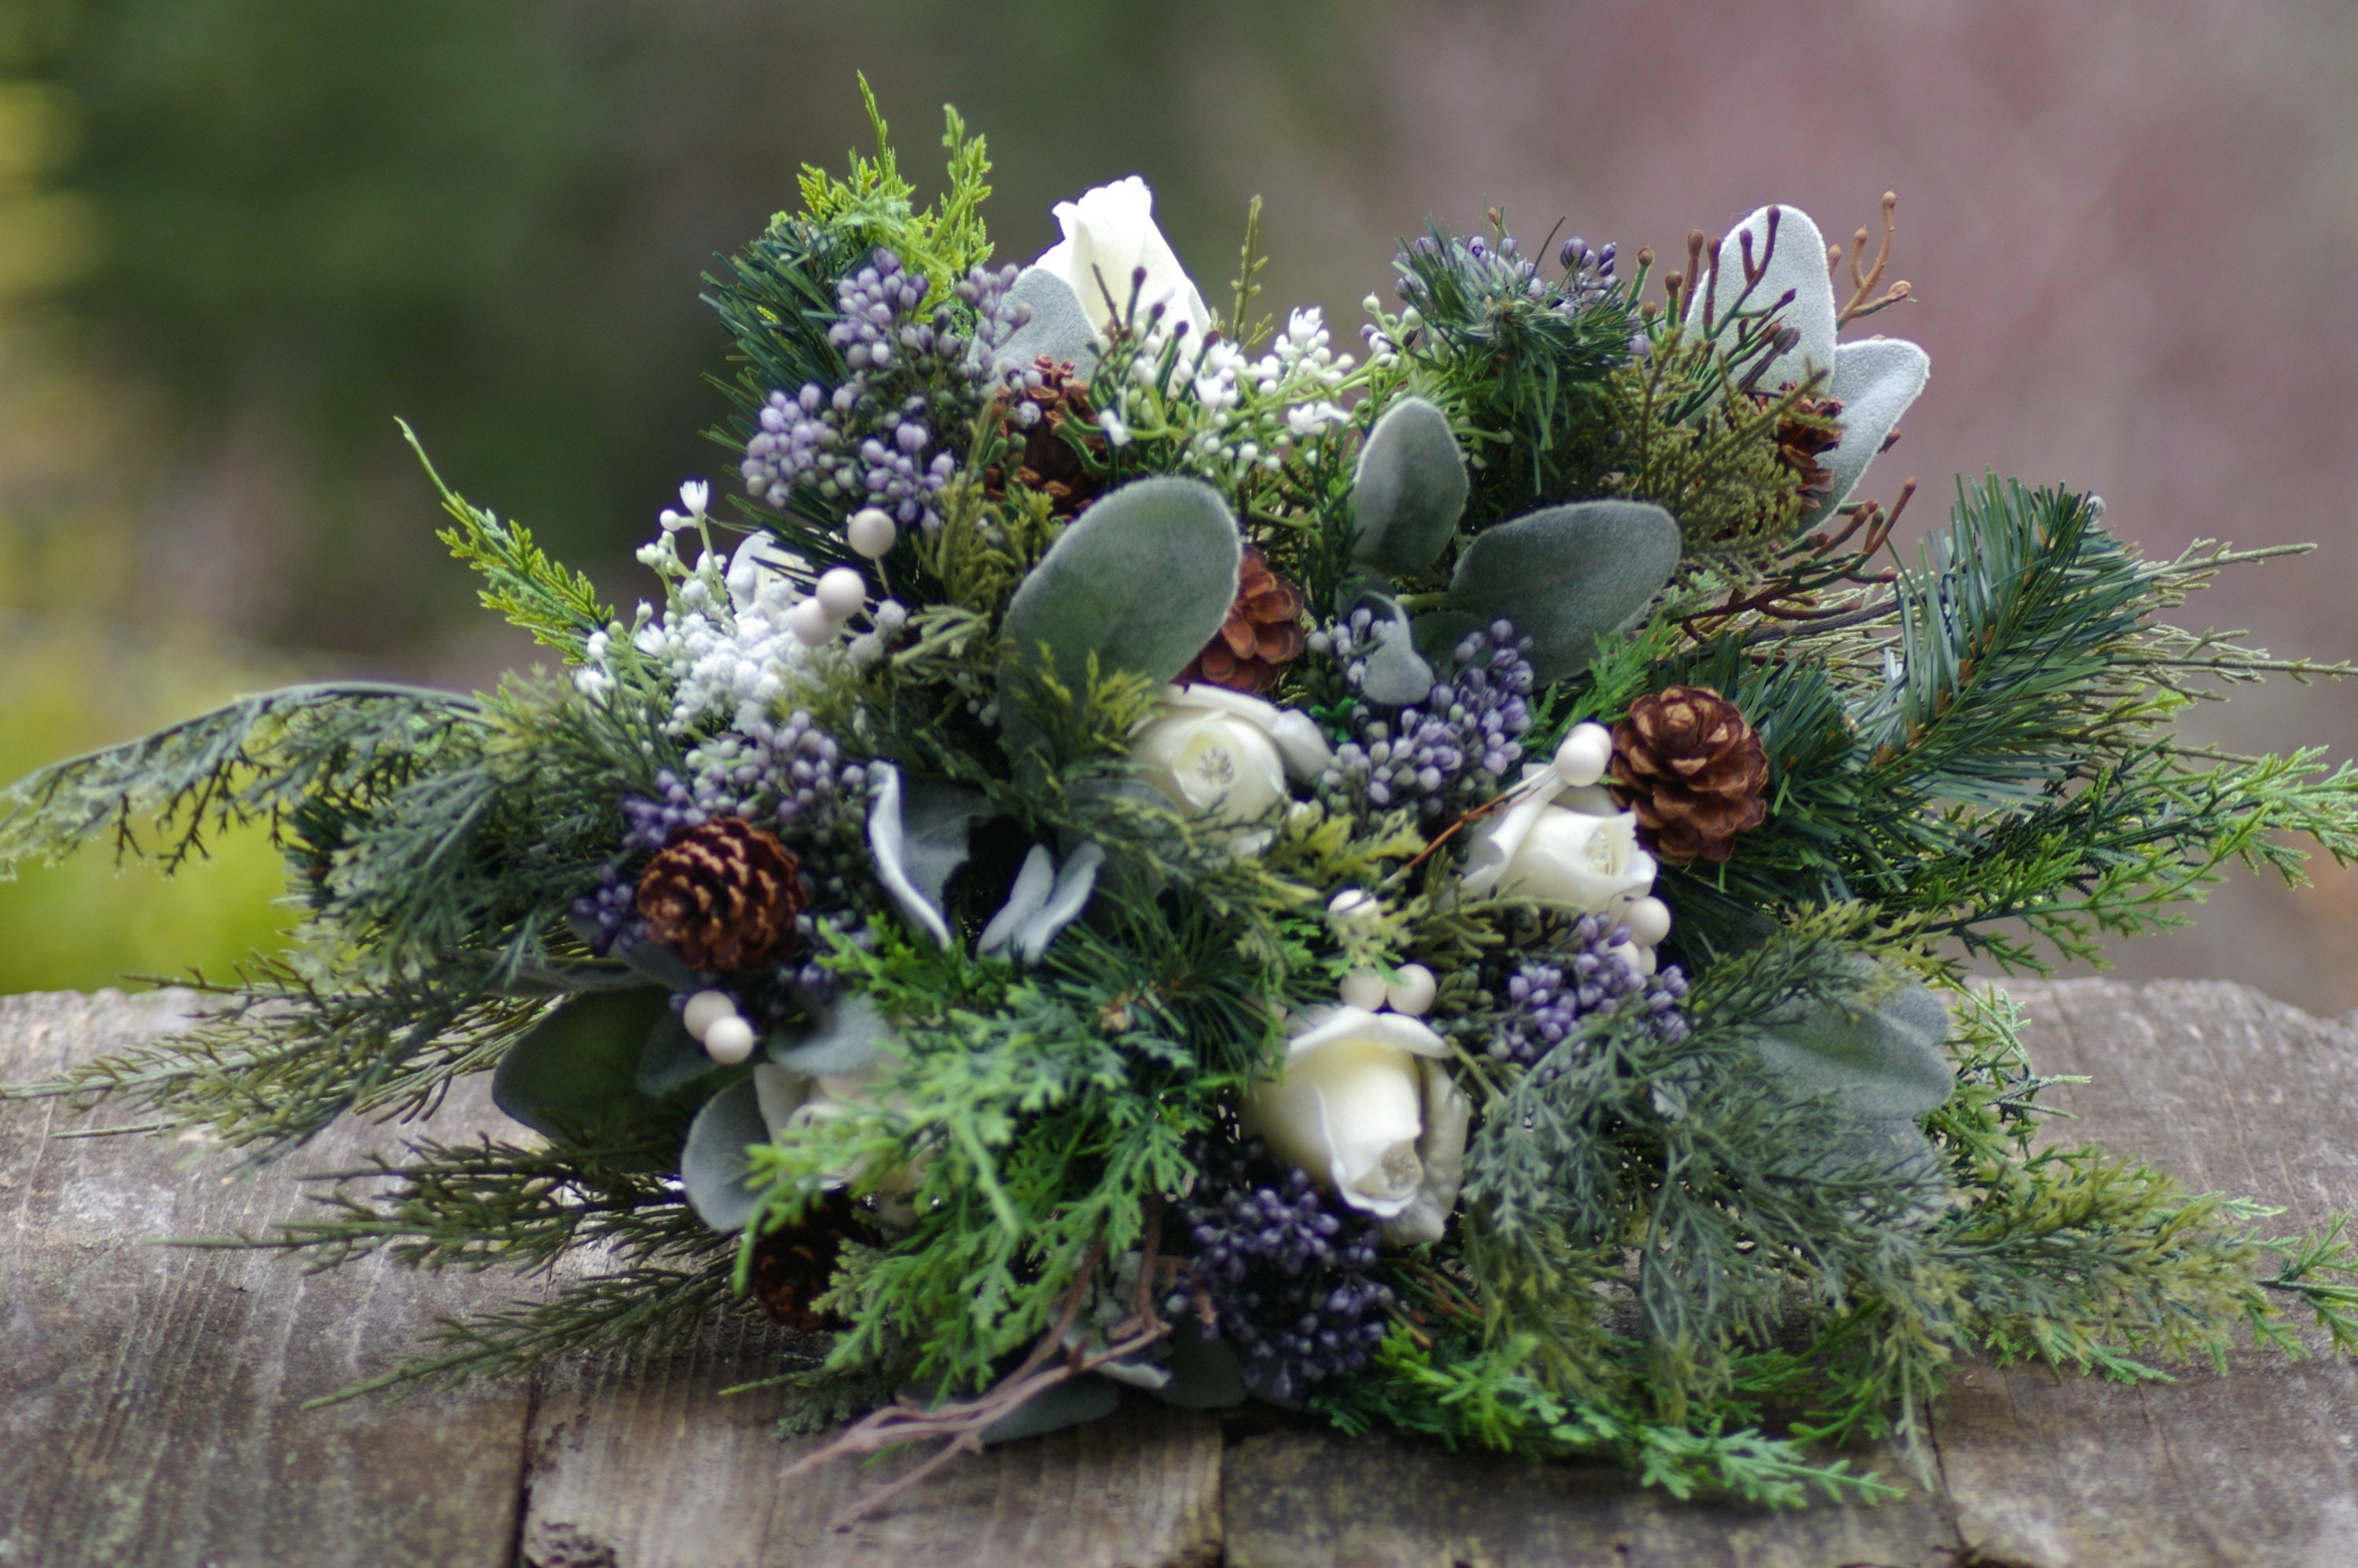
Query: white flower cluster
{"x": 723, "y": 641}
{"x": 1251, "y": 412}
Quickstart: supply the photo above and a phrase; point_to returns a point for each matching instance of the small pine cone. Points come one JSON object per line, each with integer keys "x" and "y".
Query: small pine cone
{"x": 724, "y": 896}
{"x": 1805, "y": 432}
{"x": 1261, "y": 635}
{"x": 1692, "y": 769}
{"x": 1048, "y": 462}
{"x": 793, "y": 1267}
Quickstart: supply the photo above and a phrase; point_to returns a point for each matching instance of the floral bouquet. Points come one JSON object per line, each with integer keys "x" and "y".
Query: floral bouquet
{"x": 1430, "y": 888}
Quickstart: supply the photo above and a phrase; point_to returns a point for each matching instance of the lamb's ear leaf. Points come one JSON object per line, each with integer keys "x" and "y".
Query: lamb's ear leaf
{"x": 847, "y": 1038}
{"x": 1142, "y": 580}
{"x": 1566, "y": 575}
{"x": 1059, "y": 328}
{"x": 918, "y": 832}
{"x": 1409, "y": 490}
{"x": 714, "y": 1164}
{"x": 576, "y": 1074}
{"x": 1875, "y": 381}
{"x": 1884, "y": 1061}
{"x": 1796, "y": 264}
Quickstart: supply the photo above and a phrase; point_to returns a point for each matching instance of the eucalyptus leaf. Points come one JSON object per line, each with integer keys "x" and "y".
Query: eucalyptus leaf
{"x": 576, "y": 1072}
{"x": 1566, "y": 575}
{"x": 714, "y": 1164}
{"x": 1073, "y": 1402}
{"x": 1875, "y": 381}
{"x": 1059, "y": 328}
{"x": 658, "y": 963}
{"x": 672, "y": 1060}
{"x": 1204, "y": 1373}
{"x": 1409, "y": 490}
{"x": 1140, "y": 581}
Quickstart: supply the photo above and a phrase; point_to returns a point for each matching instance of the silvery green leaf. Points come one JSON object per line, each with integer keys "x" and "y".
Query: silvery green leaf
{"x": 1797, "y": 262}
{"x": 1885, "y": 1062}
{"x": 1075, "y": 882}
{"x": 1073, "y": 1402}
{"x": 1204, "y": 1372}
{"x": 714, "y": 1164}
{"x": 1025, "y": 899}
{"x": 1395, "y": 673}
{"x": 917, "y": 831}
{"x": 657, "y": 963}
{"x": 847, "y": 1038}
{"x": 672, "y": 1060}
{"x": 1409, "y": 489}
{"x": 1438, "y": 632}
{"x": 1142, "y": 580}
{"x": 1059, "y": 328}
{"x": 576, "y": 1074}
{"x": 1875, "y": 381}
{"x": 1566, "y": 575}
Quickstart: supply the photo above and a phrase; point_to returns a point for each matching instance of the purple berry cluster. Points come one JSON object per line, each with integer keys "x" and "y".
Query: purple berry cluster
{"x": 1460, "y": 747}
{"x": 888, "y": 437}
{"x": 1285, "y": 1271}
{"x": 1543, "y": 995}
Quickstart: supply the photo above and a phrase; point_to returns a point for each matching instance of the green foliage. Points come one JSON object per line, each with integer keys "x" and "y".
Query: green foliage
{"x": 558, "y": 607}
{"x": 874, "y": 206}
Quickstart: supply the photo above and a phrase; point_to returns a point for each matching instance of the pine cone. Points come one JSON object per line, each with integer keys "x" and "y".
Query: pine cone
{"x": 1692, "y": 769}
{"x": 793, "y": 1268}
{"x": 724, "y": 896}
{"x": 1806, "y": 431}
{"x": 1261, "y": 635}
{"x": 1048, "y": 462}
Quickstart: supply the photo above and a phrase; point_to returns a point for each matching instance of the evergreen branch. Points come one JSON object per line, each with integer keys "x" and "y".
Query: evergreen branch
{"x": 256, "y": 759}
{"x": 560, "y": 608}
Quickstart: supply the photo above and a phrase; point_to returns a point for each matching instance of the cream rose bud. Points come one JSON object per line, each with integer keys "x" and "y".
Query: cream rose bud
{"x": 1109, "y": 233}
{"x": 1223, "y": 756}
{"x": 1541, "y": 848}
{"x": 1367, "y": 1107}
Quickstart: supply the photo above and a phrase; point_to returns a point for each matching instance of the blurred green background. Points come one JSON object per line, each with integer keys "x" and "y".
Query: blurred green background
{"x": 238, "y": 238}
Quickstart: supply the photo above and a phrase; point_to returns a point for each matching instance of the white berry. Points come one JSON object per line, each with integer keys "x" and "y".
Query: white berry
{"x": 842, "y": 591}
{"x": 1412, "y": 990}
{"x": 1352, "y": 905}
{"x": 729, "y": 1040}
{"x": 1638, "y": 958}
{"x": 811, "y": 625}
{"x": 1586, "y": 752}
{"x": 871, "y": 531}
{"x": 706, "y": 1009}
{"x": 1649, "y": 920}
{"x": 1363, "y": 989}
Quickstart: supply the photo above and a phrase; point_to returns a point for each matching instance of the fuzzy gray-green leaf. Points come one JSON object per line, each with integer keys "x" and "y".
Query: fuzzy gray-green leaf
{"x": 1059, "y": 328}
{"x": 1409, "y": 490}
{"x": 1883, "y": 1062}
{"x": 1567, "y": 575}
{"x": 714, "y": 1164}
{"x": 1142, "y": 580}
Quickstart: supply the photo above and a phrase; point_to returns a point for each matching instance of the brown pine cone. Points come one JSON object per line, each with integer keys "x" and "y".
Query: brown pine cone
{"x": 1806, "y": 431}
{"x": 1692, "y": 769}
{"x": 1048, "y": 462}
{"x": 1261, "y": 635}
{"x": 793, "y": 1268}
{"x": 724, "y": 896}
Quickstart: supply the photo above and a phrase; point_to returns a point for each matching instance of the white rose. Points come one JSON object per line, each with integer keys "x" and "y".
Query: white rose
{"x": 1544, "y": 848}
{"x": 1109, "y": 233}
{"x": 1367, "y": 1107}
{"x": 1223, "y": 756}
{"x": 790, "y": 1101}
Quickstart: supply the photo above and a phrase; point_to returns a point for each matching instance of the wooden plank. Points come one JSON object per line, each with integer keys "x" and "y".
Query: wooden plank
{"x": 641, "y": 1465}
{"x": 2232, "y": 1092}
{"x": 149, "y": 1394}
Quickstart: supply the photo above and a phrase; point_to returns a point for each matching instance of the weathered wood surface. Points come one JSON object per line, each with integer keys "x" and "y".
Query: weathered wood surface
{"x": 148, "y": 1394}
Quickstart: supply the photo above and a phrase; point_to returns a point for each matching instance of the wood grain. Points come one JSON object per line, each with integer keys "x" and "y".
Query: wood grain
{"x": 147, "y": 1394}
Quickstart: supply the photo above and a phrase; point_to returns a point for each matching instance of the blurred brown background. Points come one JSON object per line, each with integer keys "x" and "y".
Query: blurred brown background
{"x": 237, "y": 238}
